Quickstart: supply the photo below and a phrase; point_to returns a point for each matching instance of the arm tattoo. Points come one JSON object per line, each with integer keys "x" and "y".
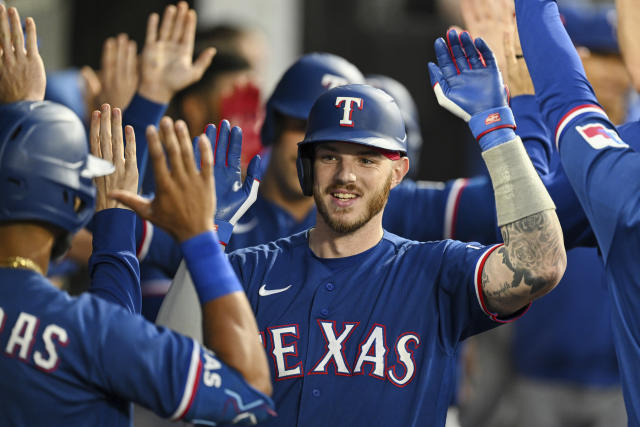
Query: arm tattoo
{"x": 533, "y": 250}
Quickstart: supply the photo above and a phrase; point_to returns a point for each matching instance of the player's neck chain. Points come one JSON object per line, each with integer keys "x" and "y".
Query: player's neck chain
{"x": 20, "y": 262}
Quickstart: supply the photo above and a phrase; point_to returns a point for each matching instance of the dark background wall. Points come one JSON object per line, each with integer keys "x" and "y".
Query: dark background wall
{"x": 396, "y": 38}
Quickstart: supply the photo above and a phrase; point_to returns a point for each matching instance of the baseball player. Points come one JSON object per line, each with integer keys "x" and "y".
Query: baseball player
{"x": 361, "y": 325}
{"x": 601, "y": 168}
{"x": 82, "y": 360}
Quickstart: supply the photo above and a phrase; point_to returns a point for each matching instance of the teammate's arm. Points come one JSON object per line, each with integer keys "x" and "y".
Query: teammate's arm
{"x": 532, "y": 261}
{"x": 184, "y": 205}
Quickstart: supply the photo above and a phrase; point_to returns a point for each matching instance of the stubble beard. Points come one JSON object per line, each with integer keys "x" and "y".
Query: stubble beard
{"x": 375, "y": 204}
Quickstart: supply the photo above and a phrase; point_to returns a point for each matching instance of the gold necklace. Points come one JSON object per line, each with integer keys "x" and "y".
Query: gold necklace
{"x": 20, "y": 262}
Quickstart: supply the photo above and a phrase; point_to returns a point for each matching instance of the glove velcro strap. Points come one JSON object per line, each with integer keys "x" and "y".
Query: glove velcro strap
{"x": 517, "y": 187}
{"x": 490, "y": 120}
{"x": 224, "y": 230}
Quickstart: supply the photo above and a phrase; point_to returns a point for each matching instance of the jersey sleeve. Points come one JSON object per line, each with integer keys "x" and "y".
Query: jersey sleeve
{"x": 461, "y": 304}
{"x": 113, "y": 267}
{"x": 533, "y": 132}
{"x": 157, "y": 249}
{"x": 166, "y": 372}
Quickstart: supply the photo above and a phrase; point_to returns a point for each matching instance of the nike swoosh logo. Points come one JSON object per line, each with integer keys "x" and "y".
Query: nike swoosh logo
{"x": 263, "y": 291}
{"x": 246, "y": 227}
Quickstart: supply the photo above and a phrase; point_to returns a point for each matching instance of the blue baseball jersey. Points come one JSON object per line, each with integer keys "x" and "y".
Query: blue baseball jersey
{"x": 383, "y": 325}
{"x": 81, "y": 361}
{"x": 602, "y": 169}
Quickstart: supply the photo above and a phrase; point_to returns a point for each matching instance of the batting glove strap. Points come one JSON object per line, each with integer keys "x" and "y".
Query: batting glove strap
{"x": 224, "y": 229}
{"x": 483, "y": 126}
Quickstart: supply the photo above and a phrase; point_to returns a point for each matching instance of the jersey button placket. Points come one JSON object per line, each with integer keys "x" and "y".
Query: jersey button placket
{"x": 324, "y": 312}
{"x": 330, "y": 287}
{"x": 315, "y": 392}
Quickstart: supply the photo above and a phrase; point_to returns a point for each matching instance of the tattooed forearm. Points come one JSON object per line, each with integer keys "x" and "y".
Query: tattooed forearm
{"x": 529, "y": 264}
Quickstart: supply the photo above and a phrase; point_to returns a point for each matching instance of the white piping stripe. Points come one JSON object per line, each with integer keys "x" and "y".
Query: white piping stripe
{"x": 575, "y": 114}
{"x": 253, "y": 195}
{"x": 146, "y": 243}
{"x": 449, "y": 104}
{"x": 450, "y": 207}
{"x": 191, "y": 378}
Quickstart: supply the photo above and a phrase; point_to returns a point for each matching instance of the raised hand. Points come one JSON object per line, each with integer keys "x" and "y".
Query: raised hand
{"x": 22, "y": 76}
{"x": 167, "y": 64}
{"x": 105, "y": 138}
{"x": 467, "y": 82}
{"x": 514, "y": 66}
{"x": 185, "y": 199}
{"x": 118, "y": 71}
{"x": 233, "y": 197}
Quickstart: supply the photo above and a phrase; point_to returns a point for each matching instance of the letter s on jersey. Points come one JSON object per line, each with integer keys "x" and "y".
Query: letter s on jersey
{"x": 211, "y": 364}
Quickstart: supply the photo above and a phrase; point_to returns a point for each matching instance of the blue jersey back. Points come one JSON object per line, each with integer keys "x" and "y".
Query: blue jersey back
{"x": 80, "y": 361}
{"x": 383, "y": 325}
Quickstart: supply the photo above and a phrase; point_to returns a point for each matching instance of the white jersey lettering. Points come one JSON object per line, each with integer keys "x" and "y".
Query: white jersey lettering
{"x": 281, "y": 351}
{"x": 335, "y": 350}
{"x": 51, "y": 333}
{"x": 22, "y": 336}
{"x": 376, "y": 342}
{"x": 405, "y": 357}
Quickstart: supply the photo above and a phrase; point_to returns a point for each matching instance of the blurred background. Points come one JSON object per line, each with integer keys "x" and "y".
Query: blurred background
{"x": 390, "y": 37}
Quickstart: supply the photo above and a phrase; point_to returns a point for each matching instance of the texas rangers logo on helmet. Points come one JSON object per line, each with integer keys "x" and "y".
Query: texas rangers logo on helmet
{"x": 598, "y": 136}
{"x": 346, "y": 103}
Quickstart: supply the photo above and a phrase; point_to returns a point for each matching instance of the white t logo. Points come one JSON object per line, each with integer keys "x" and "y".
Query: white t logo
{"x": 348, "y": 108}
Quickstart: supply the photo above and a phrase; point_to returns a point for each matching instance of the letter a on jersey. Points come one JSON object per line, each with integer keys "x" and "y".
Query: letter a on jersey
{"x": 347, "y": 102}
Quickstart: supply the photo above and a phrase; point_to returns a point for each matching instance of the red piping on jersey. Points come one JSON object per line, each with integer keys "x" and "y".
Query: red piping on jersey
{"x": 456, "y": 205}
{"x": 144, "y": 236}
{"x": 484, "y": 259}
{"x": 193, "y": 390}
{"x": 573, "y": 110}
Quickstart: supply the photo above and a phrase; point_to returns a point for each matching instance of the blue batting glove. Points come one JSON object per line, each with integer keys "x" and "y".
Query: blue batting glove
{"x": 467, "y": 82}
{"x": 233, "y": 197}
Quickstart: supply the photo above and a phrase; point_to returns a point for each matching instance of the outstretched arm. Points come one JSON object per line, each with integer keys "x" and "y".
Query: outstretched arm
{"x": 184, "y": 205}
{"x": 629, "y": 37}
{"x": 467, "y": 82}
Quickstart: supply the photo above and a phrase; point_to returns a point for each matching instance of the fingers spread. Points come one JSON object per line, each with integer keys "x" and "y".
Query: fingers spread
{"x": 470, "y": 50}
{"x": 202, "y": 63}
{"x": 130, "y": 159}
{"x": 138, "y": 204}
{"x": 445, "y": 59}
{"x": 94, "y": 134}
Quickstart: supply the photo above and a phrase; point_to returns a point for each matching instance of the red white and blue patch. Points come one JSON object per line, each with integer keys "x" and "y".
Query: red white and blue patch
{"x": 599, "y": 136}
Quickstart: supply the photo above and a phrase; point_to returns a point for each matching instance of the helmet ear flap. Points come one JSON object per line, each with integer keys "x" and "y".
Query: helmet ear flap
{"x": 304, "y": 165}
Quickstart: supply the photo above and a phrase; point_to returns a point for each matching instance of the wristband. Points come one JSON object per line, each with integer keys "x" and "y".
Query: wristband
{"x": 484, "y": 124}
{"x": 210, "y": 270}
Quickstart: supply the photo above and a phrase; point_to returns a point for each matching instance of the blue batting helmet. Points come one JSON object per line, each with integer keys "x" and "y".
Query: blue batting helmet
{"x": 308, "y": 78}
{"x": 45, "y": 166}
{"x": 409, "y": 113}
{"x": 354, "y": 113}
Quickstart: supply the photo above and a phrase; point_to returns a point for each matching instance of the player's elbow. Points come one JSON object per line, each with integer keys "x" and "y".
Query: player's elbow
{"x": 551, "y": 275}
{"x": 262, "y": 383}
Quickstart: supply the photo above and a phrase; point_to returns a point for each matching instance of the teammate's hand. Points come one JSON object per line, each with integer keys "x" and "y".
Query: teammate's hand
{"x": 167, "y": 64}
{"x": 105, "y": 138}
{"x": 22, "y": 76}
{"x": 118, "y": 71}
{"x": 467, "y": 82}
{"x": 488, "y": 19}
{"x": 185, "y": 199}
{"x": 233, "y": 197}
{"x": 516, "y": 71}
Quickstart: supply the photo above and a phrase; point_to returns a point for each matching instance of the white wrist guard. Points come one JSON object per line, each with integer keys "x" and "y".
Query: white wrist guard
{"x": 517, "y": 187}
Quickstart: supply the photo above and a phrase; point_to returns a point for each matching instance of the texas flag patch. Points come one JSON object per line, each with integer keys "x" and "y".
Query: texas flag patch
{"x": 598, "y": 136}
